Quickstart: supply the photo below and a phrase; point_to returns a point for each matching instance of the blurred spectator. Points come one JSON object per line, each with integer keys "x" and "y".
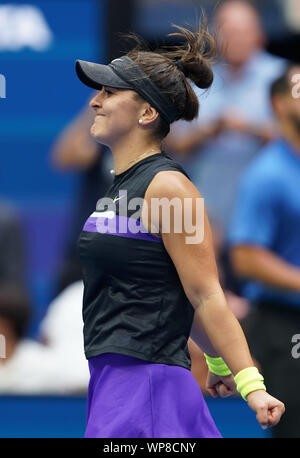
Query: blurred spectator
{"x": 76, "y": 150}
{"x": 235, "y": 117}
{"x": 61, "y": 330}
{"x": 26, "y": 366}
{"x": 265, "y": 239}
{"x": 11, "y": 247}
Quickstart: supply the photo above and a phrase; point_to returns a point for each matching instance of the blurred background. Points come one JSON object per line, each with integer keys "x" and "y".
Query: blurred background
{"x": 47, "y": 188}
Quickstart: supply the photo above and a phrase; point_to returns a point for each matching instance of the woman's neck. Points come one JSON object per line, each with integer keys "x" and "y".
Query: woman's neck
{"x": 126, "y": 154}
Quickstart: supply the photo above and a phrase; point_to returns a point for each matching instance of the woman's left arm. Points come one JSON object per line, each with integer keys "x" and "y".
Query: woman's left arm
{"x": 215, "y": 328}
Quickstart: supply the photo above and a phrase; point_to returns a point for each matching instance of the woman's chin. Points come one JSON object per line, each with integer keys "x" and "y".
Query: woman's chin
{"x": 96, "y": 134}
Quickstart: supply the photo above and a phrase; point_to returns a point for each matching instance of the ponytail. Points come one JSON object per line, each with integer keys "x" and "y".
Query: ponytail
{"x": 172, "y": 69}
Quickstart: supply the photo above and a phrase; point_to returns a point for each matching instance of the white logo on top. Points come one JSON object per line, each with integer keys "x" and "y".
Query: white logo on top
{"x": 109, "y": 214}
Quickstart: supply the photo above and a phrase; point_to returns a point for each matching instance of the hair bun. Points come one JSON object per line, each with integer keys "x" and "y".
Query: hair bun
{"x": 195, "y": 54}
{"x": 172, "y": 68}
{"x": 199, "y": 71}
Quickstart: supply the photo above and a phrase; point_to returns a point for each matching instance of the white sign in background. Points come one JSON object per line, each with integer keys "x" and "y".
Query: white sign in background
{"x": 23, "y": 26}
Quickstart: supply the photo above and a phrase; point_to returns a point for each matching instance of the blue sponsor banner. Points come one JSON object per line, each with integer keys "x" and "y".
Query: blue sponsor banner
{"x": 39, "y": 95}
{"x": 39, "y": 43}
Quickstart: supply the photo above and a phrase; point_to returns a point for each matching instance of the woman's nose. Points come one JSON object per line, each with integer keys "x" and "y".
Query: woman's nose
{"x": 95, "y": 103}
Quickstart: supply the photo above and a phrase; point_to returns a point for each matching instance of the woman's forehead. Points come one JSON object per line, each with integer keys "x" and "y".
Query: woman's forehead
{"x": 116, "y": 89}
{"x": 126, "y": 92}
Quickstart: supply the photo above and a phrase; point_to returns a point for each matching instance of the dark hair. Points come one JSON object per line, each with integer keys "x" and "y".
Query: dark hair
{"x": 15, "y": 307}
{"x": 195, "y": 54}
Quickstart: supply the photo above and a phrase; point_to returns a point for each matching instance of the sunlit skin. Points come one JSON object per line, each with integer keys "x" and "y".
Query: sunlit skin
{"x": 116, "y": 124}
{"x": 116, "y": 114}
{"x": 239, "y": 33}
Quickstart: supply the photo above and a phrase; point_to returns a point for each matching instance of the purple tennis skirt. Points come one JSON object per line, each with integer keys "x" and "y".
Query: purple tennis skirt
{"x": 131, "y": 398}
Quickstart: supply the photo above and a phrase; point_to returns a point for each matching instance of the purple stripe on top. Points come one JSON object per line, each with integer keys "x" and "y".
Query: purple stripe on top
{"x": 121, "y": 226}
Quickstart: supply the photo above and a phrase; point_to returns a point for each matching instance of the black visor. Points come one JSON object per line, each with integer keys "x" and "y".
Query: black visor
{"x": 123, "y": 73}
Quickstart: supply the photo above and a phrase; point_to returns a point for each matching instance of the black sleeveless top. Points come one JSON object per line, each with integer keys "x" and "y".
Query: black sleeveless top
{"x": 133, "y": 302}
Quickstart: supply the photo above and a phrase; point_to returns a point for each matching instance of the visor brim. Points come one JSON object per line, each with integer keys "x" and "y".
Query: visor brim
{"x": 97, "y": 75}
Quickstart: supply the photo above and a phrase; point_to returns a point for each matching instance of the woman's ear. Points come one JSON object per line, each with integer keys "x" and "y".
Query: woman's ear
{"x": 149, "y": 115}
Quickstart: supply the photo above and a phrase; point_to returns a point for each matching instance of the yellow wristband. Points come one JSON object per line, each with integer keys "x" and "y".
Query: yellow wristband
{"x": 217, "y": 365}
{"x": 248, "y": 380}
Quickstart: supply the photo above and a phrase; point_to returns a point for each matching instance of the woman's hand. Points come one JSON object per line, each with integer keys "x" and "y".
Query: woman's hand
{"x": 220, "y": 385}
{"x": 268, "y": 409}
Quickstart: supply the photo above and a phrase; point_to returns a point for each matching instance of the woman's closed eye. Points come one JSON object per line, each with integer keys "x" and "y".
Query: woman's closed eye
{"x": 108, "y": 90}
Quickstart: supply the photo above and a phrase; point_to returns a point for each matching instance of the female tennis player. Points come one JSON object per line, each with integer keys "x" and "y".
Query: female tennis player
{"x": 148, "y": 285}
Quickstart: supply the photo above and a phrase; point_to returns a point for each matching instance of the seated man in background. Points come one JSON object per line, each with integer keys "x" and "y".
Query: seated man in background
{"x": 235, "y": 117}
{"x": 265, "y": 251}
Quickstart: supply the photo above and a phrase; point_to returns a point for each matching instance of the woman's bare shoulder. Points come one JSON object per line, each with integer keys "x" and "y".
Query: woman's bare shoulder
{"x": 171, "y": 183}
